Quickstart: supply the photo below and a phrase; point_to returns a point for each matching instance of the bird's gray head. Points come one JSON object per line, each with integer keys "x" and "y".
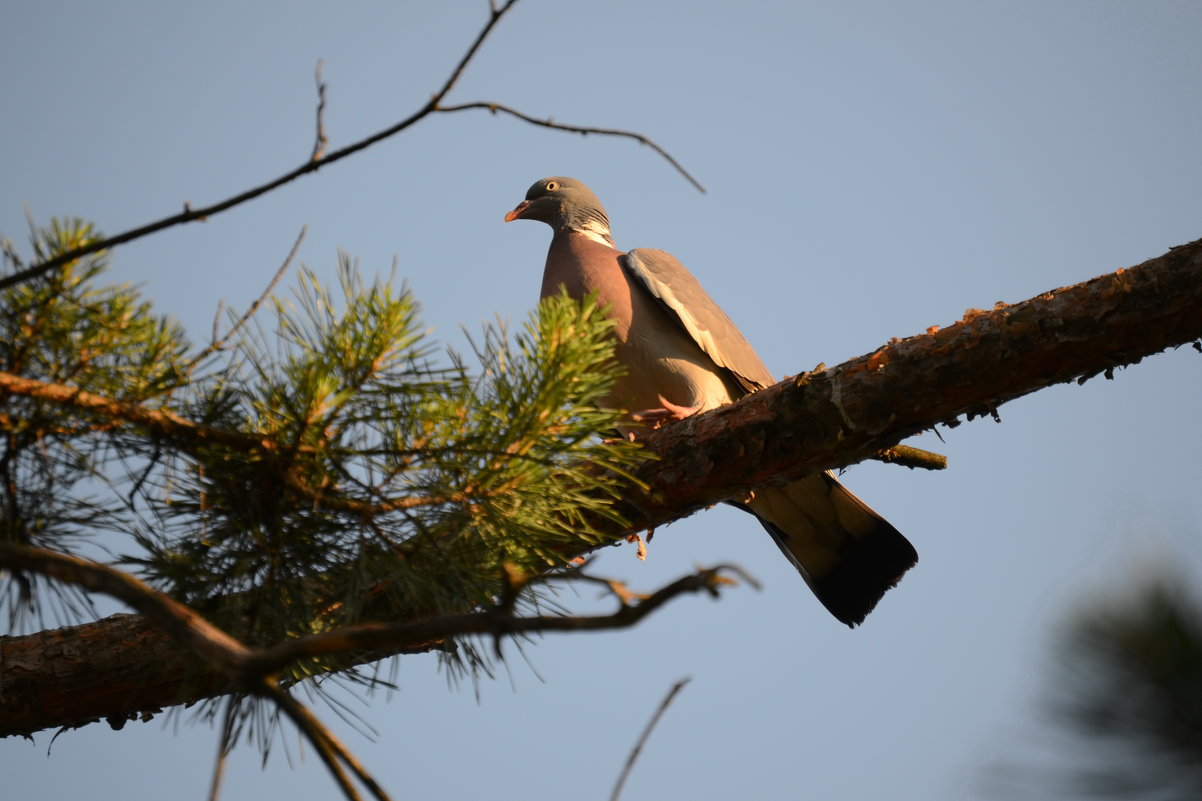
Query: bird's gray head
{"x": 564, "y": 204}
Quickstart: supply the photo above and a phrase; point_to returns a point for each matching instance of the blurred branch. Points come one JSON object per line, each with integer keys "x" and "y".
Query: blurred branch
{"x": 1125, "y": 696}
{"x": 315, "y": 162}
{"x": 333, "y": 753}
{"x": 638, "y": 746}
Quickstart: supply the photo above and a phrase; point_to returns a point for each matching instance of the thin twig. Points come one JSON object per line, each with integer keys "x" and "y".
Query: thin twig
{"x": 319, "y": 146}
{"x": 217, "y": 344}
{"x": 638, "y": 746}
{"x": 317, "y": 160}
{"x": 370, "y": 636}
{"x": 190, "y": 214}
{"x": 616, "y": 588}
{"x": 583, "y": 130}
{"x": 223, "y": 747}
{"x": 332, "y": 752}
{"x": 10, "y": 253}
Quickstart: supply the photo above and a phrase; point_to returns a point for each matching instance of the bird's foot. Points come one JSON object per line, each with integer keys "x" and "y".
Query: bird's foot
{"x": 667, "y": 412}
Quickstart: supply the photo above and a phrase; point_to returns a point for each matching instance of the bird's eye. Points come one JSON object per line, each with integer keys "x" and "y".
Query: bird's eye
{"x": 552, "y": 186}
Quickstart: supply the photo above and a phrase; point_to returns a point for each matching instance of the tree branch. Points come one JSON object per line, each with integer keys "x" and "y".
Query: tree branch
{"x": 388, "y": 636}
{"x": 192, "y": 631}
{"x": 159, "y": 422}
{"x": 206, "y": 662}
{"x": 176, "y": 620}
{"x": 315, "y": 162}
{"x": 843, "y": 415}
{"x": 580, "y": 129}
{"x": 807, "y": 423}
{"x": 332, "y": 752}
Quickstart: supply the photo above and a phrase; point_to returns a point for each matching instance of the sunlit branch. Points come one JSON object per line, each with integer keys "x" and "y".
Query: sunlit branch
{"x": 181, "y": 622}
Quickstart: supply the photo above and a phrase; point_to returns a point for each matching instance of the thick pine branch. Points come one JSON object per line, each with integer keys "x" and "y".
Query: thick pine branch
{"x": 122, "y": 665}
{"x": 837, "y": 417}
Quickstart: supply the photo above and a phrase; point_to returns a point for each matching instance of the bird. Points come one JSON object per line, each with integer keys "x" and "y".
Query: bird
{"x": 683, "y": 355}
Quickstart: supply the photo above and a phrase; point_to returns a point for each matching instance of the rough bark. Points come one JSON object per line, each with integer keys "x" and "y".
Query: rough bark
{"x": 121, "y": 666}
{"x": 842, "y": 415}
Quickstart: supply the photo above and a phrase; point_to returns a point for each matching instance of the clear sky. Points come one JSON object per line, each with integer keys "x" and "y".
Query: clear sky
{"x": 872, "y": 168}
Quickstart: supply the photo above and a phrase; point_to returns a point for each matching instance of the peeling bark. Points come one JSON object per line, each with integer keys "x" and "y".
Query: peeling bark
{"x": 121, "y": 666}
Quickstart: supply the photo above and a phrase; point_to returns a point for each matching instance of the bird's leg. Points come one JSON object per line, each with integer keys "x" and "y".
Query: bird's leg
{"x": 666, "y": 413}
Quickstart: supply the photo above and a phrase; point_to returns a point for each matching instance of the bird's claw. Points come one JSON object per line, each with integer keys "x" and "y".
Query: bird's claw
{"x": 667, "y": 412}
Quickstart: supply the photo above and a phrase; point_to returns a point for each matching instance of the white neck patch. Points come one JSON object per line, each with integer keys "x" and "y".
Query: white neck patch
{"x": 596, "y": 231}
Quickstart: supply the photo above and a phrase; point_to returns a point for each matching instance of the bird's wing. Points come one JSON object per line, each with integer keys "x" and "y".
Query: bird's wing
{"x": 681, "y": 296}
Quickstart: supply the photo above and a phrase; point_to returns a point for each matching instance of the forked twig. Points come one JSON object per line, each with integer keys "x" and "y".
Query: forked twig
{"x": 190, "y": 214}
{"x": 315, "y": 162}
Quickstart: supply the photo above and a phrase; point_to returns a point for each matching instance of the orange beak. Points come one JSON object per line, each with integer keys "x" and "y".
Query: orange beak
{"x": 516, "y": 214}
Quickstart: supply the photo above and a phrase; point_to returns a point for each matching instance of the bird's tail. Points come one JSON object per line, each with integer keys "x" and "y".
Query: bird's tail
{"x": 848, "y": 554}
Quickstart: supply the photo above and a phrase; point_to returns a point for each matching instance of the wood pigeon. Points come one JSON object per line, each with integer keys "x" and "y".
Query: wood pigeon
{"x": 683, "y": 355}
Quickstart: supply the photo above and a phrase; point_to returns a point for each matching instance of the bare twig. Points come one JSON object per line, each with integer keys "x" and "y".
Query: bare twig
{"x": 583, "y": 130}
{"x": 370, "y": 636}
{"x": 316, "y": 161}
{"x": 218, "y": 343}
{"x": 224, "y": 746}
{"x": 319, "y": 146}
{"x": 254, "y": 670}
{"x": 638, "y": 746}
{"x": 190, "y": 214}
{"x": 332, "y": 752}
{"x": 615, "y": 587}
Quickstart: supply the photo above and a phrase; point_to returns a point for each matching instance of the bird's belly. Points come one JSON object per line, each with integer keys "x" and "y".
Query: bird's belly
{"x": 678, "y": 372}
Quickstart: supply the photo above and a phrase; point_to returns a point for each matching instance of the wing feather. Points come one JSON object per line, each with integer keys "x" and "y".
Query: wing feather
{"x": 697, "y": 313}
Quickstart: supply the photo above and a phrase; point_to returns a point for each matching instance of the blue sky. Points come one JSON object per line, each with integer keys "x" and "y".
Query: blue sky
{"x": 872, "y": 169}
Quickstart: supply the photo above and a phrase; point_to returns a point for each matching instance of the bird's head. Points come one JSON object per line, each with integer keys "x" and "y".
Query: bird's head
{"x": 563, "y": 203}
